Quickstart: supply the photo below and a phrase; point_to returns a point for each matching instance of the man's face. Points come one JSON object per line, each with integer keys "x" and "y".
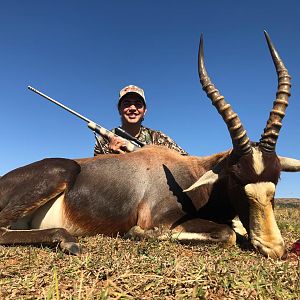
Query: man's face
{"x": 132, "y": 109}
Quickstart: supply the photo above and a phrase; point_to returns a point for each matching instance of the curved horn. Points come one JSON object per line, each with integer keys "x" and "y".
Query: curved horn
{"x": 240, "y": 140}
{"x": 271, "y": 132}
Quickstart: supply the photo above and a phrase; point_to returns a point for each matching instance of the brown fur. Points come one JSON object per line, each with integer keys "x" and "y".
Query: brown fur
{"x": 110, "y": 194}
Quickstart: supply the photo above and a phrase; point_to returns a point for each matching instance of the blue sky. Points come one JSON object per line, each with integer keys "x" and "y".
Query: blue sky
{"x": 83, "y": 52}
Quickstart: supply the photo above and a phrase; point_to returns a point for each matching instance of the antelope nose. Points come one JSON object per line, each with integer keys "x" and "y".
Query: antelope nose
{"x": 276, "y": 252}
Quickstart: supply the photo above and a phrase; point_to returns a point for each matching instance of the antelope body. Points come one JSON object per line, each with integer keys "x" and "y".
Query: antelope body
{"x": 185, "y": 197}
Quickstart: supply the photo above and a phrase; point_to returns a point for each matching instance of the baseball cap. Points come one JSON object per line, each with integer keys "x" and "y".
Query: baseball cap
{"x": 132, "y": 89}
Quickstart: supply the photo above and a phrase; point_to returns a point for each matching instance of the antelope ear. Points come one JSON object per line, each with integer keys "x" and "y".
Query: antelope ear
{"x": 209, "y": 177}
{"x": 289, "y": 164}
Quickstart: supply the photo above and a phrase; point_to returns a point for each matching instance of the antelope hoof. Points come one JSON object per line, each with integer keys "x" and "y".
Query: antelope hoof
{"x": 231, "y": 241}
{"x": 71, "y": 247}
{"x": 135, "y": 233}
{"x": 227, "y": 237}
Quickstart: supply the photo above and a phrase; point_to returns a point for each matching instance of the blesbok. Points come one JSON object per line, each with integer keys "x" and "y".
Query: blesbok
{"x": 54, "y": 199}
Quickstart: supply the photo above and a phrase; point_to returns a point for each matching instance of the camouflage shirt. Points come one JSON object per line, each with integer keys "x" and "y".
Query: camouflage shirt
{"x": 146, "y": 135}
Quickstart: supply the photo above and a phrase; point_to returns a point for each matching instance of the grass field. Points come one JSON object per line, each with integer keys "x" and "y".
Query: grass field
{"x": 113, "y": 268}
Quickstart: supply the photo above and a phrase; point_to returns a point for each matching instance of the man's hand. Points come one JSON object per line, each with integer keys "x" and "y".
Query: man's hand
{"x": 117, "y": 145}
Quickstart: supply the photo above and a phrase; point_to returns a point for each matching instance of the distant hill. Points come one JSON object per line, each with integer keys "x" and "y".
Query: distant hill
{"x": 288, "y": 202}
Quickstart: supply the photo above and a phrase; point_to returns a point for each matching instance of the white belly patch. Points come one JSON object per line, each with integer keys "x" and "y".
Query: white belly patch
{"x": 50, "y": 215}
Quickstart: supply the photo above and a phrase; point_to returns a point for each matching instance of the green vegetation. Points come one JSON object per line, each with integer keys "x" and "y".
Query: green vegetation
{"x": 113, "y": 268}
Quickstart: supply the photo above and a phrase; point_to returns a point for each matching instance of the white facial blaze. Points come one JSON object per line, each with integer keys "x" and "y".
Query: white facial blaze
{"x": 258, "y": 165}
{"x": 261, "y": 192}
{"x": 264, "y": 232}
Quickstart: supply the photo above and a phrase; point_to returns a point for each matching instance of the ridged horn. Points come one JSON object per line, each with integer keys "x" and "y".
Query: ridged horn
{"x": 240, "y": 140}
{"x": 271, "y": 132}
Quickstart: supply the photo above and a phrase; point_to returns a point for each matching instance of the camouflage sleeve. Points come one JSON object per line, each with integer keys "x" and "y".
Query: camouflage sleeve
{"x": 101, "y": 145}
{"x": 161, "y": 139}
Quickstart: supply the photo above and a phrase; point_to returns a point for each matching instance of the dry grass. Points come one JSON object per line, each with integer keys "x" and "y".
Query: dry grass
{"x": 113, "y": 268}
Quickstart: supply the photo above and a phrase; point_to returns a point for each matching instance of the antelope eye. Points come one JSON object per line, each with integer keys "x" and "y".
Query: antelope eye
{"x": 236, "y": 178}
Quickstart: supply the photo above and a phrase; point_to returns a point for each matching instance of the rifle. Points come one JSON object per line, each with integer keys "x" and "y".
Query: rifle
{"x": 132, "y": 143}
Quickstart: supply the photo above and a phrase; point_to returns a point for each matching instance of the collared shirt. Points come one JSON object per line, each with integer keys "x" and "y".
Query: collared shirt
{"x": 146, "y": 135}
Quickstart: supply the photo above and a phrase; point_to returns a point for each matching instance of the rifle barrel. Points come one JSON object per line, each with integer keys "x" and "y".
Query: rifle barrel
{"x": 60, "y": 104}
{"x": 131, "y": 144}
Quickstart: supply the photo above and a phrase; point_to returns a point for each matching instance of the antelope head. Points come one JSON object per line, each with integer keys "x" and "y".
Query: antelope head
{"x": 252, "y": 169}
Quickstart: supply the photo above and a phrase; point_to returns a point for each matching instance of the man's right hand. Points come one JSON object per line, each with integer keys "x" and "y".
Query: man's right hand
{"x": 117, "y": 145}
